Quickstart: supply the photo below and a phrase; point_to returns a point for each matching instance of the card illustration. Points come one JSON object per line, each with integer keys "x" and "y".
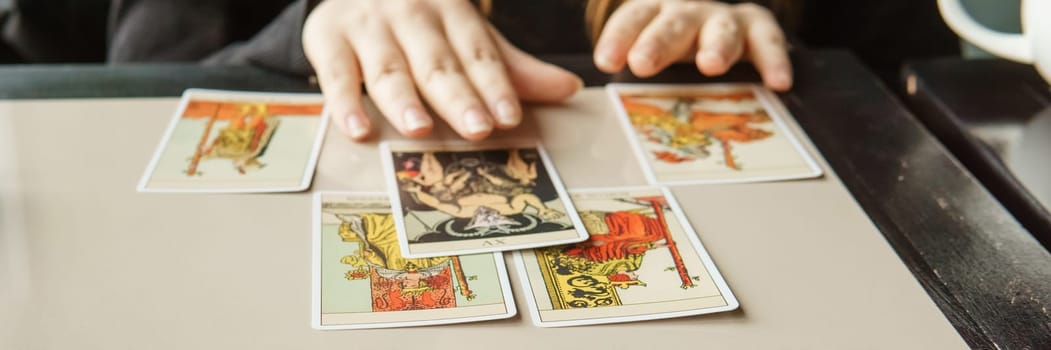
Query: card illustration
{"x": 365, "y": 282}
{"x": 238, "y": 142}
{"x": 709, "y": 134}
{"x": 457, "y": 199}
{"x": 640, "y": 262}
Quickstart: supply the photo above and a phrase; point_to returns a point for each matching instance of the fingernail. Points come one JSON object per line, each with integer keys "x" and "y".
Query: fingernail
{"x": 712, "y": 58}
{"x": 475, "y": 122}
{"x": 647, "y": 55}
{"x": 506, "y": 113}
{"x": 604, "y": 61}
{"x": 416, "y": 120}
{"x": 781, "y": 80}
{"x": 357, "y": 126}
{"x": 580, "y": 84}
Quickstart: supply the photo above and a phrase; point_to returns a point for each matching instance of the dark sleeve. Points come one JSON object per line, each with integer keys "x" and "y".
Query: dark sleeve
{"x": 53, "y": 31}
{"x": 166, "y": 30}
{"x": 543, "y": 27}
{"x": 277, "y": 47}
{"x": 263, "y": 33}
{"x": 311, "y": 4}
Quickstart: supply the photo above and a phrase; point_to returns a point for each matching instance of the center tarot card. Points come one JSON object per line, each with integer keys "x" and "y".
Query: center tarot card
{"x": 463, "y": 198}
{"x": 642, "y": 262}
{"x": 361, "y": 280}
{"x": 710, "y": 133}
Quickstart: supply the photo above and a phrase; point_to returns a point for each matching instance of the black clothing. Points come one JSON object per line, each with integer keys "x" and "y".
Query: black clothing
{"x": 266, "y": 33}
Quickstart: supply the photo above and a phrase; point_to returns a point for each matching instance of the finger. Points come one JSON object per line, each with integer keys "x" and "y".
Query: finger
{"x": 670, "y": 36}
{"x": 469, "y": 36}
{"x": 620, "y": 32}
{"x": 766, "y": 47}
{"x": 438, "y": 73}
{"x": 388, "y": 78}
{"x": 339, "y": 76}
{"x": 533, "y": 79}
{"x": 721, "y": 43}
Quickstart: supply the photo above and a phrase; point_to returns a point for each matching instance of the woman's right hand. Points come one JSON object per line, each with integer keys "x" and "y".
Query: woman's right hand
{"x": 406, "y": 52}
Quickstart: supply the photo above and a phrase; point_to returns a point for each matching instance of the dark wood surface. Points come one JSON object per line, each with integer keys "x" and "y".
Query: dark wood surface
{"x": 990, "y": 278}
{"x": 958, "y": 99}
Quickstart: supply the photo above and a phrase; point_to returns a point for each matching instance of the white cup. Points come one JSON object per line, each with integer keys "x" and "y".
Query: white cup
{"x": 1033, "y": 46}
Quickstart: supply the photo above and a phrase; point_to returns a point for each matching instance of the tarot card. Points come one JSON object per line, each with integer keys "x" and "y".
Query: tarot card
{"x": 713, "y": 133}
{"x": 464, "y": 198}
{"x": 226, "y": 141}
{"x": 361, "y": 280}
{"x": 642, "y": 262}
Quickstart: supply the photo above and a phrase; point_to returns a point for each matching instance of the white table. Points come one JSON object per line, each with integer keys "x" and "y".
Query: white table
{"x": 86, "y": 262}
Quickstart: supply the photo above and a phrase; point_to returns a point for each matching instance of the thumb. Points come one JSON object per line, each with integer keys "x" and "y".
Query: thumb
{"x": 535, "y": 80}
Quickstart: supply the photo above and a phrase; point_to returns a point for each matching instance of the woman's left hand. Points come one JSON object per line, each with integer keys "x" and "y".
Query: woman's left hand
{"x": 649, "y": 35}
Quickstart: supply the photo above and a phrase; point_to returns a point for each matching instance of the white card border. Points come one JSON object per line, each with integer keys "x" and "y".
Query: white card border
{"x": 762, "y": 95}
{"x": 695, "y": 241}
{"x": 308, "y": 175}
{"x": 387, "y": 162}
{"x": 315, "y": 285}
